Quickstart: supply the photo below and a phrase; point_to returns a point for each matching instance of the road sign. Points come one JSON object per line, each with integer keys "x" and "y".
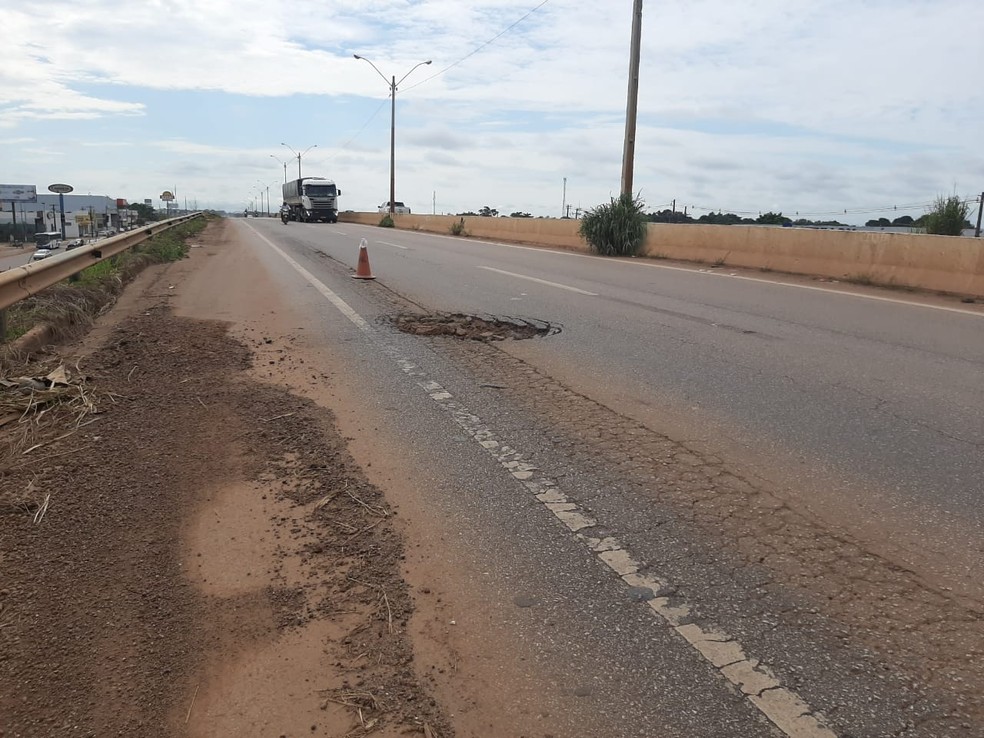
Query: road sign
{"x": 18, "y": 193}
{"x": 166, "y": 196}
{"x": 148, "y": 201}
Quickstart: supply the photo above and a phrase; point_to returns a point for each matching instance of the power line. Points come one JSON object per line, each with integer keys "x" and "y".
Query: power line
{"x": 364, "y": 125}
{"x": 442, "y": 71}
{"x": 478, "y": 48}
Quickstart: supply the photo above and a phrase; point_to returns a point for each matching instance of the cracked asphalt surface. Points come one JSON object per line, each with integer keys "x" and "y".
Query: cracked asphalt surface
{"x": 660, "y": 520}
{"x": 880, "y": 647}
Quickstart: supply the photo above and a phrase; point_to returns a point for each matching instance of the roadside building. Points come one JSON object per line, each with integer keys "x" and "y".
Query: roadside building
{"x": 85, "y": 215}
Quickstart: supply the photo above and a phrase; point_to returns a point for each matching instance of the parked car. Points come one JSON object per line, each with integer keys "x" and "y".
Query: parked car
{"x": 398, "y": 207}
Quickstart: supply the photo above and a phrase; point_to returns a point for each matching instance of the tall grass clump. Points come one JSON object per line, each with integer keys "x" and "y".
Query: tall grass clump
{"x": 386, "y": 222}
{"x": 947, "y": 217}
{"x": 617, "y": 228}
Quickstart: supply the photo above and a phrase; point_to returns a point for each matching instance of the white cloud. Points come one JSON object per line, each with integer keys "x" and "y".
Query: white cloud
{"x": 744, "y": 105}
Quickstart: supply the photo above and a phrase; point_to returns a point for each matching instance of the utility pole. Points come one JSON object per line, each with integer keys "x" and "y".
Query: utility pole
{"x": 563, "y": 207}
{"x": 632, "y": 105}
{"x": 434, "y": 204}
{"x": 980, "y": 212}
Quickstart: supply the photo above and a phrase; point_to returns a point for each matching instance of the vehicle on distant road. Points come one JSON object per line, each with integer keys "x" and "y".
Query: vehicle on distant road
{"x": 312, "y": 199}
{"x": 75, "y": 244}
{"x": 43, "y": 239}
{"x": 398, "y": 208}
{"x": 42, "y": 254}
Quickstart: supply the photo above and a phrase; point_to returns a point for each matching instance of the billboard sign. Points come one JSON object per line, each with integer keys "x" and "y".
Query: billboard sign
{"x": 120, "y": 203}
{"x": 166, "y": 196}
{"x": 148, "y": 201}
{"x": 61, "y": 189}
{"x": 18, "y": 193}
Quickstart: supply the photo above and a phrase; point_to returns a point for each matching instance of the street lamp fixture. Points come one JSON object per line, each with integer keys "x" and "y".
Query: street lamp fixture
{"x": 277, "y": 158}
{"x": 393, "y": 86}
{"x": 299, "y": 155}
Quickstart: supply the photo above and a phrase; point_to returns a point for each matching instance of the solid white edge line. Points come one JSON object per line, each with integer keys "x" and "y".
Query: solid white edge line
{"x": 644, "y": 262}
{"x": 394, "y": 245}
{"x": 754, "y": 680}
{"x": 540, "y": 281}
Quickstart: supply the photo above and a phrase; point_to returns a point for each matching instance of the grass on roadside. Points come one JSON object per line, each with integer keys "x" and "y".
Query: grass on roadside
{"x": 70, "y": 307}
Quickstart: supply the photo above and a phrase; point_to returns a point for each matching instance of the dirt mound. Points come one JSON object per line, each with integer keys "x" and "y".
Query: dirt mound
{"x": 104, "y": 629}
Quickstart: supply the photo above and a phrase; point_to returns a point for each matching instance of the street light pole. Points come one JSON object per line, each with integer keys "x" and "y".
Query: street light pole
{"x": 298, "y": 155}
{"x": 277, "y": 158}
{"x": 393, "y": 86}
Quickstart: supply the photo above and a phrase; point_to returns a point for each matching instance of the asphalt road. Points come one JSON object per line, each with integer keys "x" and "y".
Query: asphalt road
{"x": 15, "y": 257}
{"x": 865, "y": 405}
{"x": 885, "y": 396}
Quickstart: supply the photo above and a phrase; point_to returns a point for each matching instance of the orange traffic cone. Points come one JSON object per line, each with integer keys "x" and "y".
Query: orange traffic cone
{"x": 362, "y": 271}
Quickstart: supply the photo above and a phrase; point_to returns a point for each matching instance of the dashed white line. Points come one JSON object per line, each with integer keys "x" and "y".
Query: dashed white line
{"x": 709, "y": 273}
{"x": 540, "y": 281}
{"x": 755, "y": 681}
{"x": 340, "y": 233}
{"x": 394, "y": 245}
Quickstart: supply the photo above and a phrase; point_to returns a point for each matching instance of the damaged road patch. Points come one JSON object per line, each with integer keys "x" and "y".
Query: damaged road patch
{"x": 473, "y": 327}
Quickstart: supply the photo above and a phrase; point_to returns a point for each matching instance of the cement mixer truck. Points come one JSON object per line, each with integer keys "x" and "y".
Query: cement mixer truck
{"x": 312, "y": 199}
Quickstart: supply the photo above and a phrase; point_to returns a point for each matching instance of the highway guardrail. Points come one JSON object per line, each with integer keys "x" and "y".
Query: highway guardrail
{"x": 21, "y": 282}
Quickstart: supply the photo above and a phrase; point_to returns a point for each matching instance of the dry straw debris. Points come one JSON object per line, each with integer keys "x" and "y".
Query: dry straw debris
{"x": 31, "y": 411}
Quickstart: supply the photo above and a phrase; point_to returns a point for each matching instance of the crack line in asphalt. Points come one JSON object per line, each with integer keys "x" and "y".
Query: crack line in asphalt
{"x": 756, "y": 682}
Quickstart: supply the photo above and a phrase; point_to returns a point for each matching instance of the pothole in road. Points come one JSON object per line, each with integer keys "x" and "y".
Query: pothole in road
{"x": 473, "y": 327}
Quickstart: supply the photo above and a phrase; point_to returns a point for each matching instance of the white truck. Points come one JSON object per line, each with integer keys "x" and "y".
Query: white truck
{"x": 312, "y": 199}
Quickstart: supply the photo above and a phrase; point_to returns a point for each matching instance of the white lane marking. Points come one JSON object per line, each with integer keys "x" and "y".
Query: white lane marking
{"x": 706, "y": 273}
{"x": 395, "y": 245}
{"x": 341, "y": 233}
{"x": 782, "y": 706}
{"x": 334, "y": 299}
{"x": 540, "y": 281}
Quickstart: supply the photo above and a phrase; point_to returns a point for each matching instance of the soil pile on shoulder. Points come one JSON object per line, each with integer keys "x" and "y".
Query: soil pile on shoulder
{"x": 101, "y": 631}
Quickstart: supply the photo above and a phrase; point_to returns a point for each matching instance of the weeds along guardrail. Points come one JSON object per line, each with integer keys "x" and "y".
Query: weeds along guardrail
{"x": 21, "y": 282}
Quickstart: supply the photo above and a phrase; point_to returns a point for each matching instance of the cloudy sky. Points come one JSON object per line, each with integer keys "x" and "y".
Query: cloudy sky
{"x": 808, "y": 107}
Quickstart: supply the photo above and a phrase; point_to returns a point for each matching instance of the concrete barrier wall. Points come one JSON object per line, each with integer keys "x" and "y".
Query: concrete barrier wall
{"x": 938, "y": 263}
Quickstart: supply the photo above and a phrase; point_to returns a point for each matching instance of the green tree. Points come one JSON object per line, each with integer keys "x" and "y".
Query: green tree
{"x": 520, "y": 215}
{"x": 486, "y": 212}
{"x": 903, "y": 220}
{"x": 879, "y": 223}
{"x": 771, "y": 218}
{"x": 617, "y": 228}
{"x": 145, "y": 213}
{"x": 947, "y": 217}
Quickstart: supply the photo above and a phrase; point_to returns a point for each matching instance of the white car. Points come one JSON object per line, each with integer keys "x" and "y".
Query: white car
{"x": 42, "y": 254}
{"x": 398, "y": 208}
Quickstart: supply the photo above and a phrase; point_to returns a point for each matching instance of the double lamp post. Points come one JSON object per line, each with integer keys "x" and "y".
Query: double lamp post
{"x": 393, "y": 86}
